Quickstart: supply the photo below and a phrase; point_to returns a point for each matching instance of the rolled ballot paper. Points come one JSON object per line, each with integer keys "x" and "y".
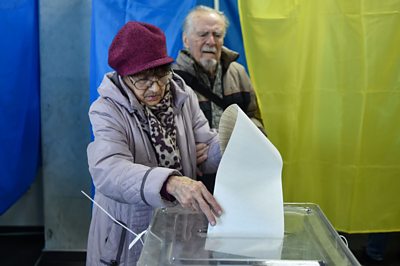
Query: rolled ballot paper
{"x": 248, "y": 187}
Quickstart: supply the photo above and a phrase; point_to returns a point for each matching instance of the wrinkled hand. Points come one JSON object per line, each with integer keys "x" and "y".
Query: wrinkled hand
{"x": 201, "y": 155}
{"x": 194, "y": 195}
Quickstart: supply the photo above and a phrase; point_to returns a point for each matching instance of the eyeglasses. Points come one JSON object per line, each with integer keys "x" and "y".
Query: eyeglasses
{"x": 144, "y": 83}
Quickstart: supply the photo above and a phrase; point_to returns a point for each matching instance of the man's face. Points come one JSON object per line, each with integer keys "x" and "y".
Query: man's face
{"x": 205, "y": 39}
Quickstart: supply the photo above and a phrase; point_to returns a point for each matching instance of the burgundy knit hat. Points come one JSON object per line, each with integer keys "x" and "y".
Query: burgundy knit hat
{"x": 136, "y": 47}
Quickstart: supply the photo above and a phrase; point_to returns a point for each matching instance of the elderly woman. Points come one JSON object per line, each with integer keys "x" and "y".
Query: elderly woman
{"x": 150, "y": 139}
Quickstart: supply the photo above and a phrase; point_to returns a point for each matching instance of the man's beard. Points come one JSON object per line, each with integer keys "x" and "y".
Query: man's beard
{"x": 210, "y": 65}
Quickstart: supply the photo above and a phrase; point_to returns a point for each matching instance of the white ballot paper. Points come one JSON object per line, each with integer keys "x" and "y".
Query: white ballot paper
{"x": 248, "y": 187}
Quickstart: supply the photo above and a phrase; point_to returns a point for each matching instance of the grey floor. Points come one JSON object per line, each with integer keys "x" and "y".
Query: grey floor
{"x": 24, "y": 247}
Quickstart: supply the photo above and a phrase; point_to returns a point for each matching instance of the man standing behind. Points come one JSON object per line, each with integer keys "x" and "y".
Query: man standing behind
{"x": 210, "y": 70}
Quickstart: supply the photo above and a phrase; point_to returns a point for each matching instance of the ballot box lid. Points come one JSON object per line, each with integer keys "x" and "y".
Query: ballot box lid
{"x": 179, "y": 237}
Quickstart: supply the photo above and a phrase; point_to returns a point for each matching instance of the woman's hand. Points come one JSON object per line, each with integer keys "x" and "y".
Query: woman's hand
{"x": 201, "y": 155}
{"x": 201, "y": 152}
{"x": 194, "y": 195}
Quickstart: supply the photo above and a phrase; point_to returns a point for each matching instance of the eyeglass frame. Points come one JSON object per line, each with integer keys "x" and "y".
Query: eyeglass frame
{"x": 158, "y": 79}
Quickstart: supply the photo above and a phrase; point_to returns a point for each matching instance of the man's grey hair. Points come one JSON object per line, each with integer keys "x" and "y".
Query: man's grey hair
{"x": 188, "y": 22}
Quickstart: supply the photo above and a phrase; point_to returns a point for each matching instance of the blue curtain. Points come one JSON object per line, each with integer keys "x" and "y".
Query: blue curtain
{"x": 19, "y": 100}
{"x": 233, "y": 39}
{"x": 108, "y": 16}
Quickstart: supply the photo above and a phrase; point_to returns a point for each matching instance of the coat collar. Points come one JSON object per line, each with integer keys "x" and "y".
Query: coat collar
{"x": 186, "y": 60}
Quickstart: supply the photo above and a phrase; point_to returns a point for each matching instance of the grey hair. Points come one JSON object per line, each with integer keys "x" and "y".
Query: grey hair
{"x": 188, "y": 22}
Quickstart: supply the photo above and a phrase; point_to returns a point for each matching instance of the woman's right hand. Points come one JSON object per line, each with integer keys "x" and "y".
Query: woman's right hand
{"x": 201, "y": 152}
{"x": 194, "y": 195}
{"x": 201, "y": 155}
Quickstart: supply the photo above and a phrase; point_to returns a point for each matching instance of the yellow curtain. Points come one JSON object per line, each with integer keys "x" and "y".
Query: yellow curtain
{"x": 327, "y": 77}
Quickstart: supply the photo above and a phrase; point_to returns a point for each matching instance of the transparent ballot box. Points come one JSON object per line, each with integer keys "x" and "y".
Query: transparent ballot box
{"x": 179, "y": 237}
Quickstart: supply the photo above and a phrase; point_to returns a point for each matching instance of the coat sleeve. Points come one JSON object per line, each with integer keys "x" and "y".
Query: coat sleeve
{"x": 253, "y": 111}
{"x": 112, "y": 165}
{"x": 204, "y": 134}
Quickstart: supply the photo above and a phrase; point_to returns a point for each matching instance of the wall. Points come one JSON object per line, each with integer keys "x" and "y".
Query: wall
{"x": 64, "y": 53}
{"x": 28, "y": 210}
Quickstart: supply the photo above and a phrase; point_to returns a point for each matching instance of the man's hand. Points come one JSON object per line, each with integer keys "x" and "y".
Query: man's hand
{"x": 201, "y": 155}
{"x": 194, "y": 195}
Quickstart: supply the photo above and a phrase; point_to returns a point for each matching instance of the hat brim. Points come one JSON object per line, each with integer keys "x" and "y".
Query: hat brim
{"x": 149, "y": 65}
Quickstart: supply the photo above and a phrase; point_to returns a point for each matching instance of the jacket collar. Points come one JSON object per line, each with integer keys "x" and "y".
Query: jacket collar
{"x": 186, "y": 60}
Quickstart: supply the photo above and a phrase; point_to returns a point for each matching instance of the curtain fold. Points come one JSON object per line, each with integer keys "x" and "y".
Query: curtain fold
{"x": 327, "y": 76}
{"x": 19, "y": 101}
{"x": 233, "y": 39}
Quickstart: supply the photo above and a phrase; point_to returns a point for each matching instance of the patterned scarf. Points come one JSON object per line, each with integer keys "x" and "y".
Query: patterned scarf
{"x": 163, "y": 133}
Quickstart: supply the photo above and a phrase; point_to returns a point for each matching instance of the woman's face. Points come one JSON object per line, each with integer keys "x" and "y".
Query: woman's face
{"x": 149, "y": 89}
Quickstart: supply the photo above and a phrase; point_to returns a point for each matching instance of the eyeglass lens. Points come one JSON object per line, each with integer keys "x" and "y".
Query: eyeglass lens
{"x": 145, "y": 83}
